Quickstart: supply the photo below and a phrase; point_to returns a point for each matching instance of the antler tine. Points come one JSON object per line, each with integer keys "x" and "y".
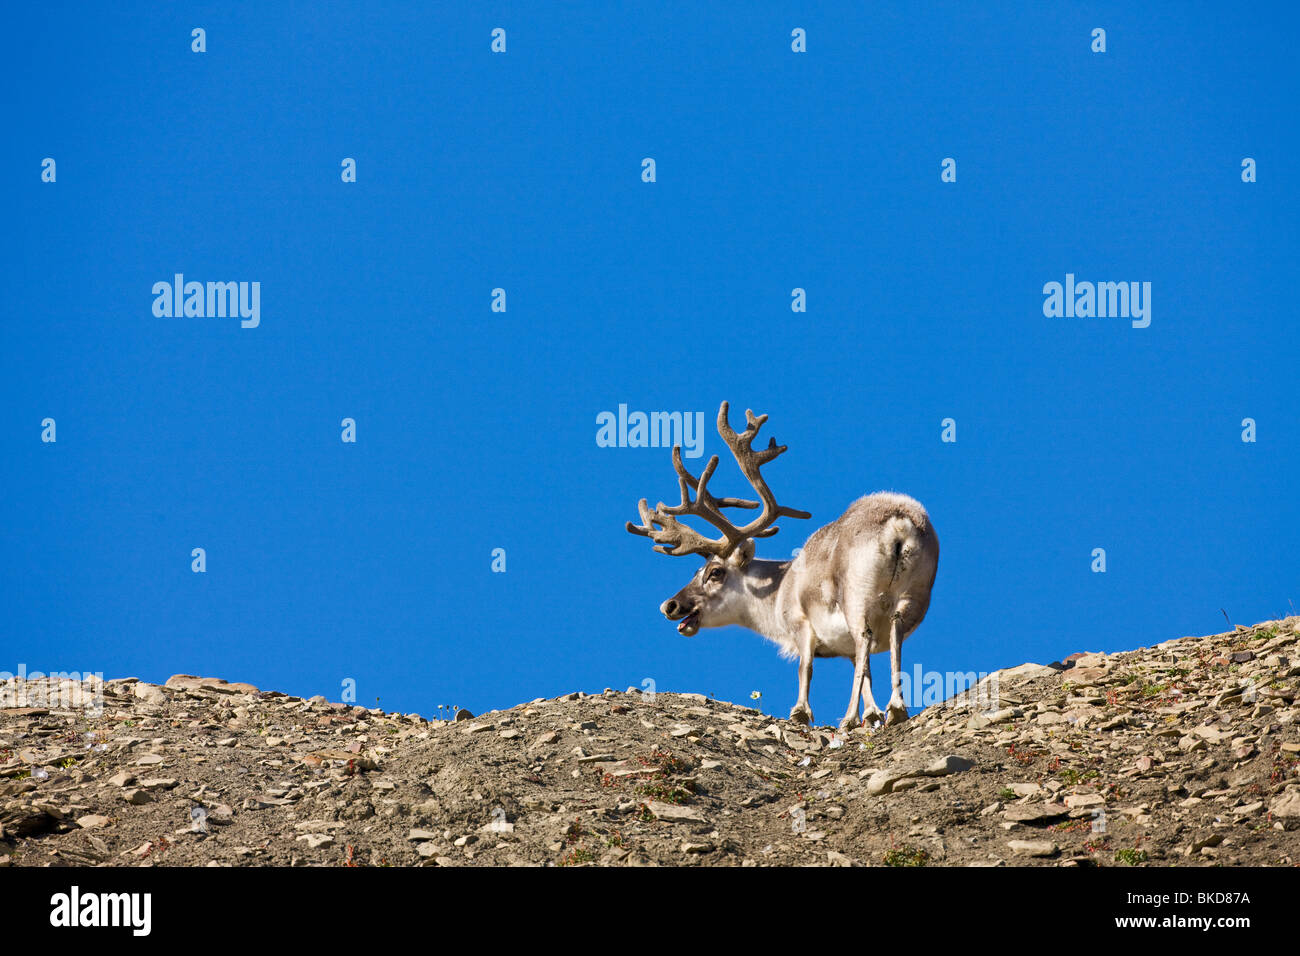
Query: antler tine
{"x": 677, "y": 538}
{"x": 673, "y": 537}
{"x": 750, "y": 461}
{"x": 688, "y": 481}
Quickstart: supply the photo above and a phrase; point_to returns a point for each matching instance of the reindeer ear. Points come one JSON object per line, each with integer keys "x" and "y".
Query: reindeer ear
{"x": 743, "y": 554}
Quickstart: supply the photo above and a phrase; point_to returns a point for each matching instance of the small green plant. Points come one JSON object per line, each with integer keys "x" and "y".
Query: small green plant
{"x": 665, "y": 763}
{"x": 1071, "y": 826}
{"x": 1130, "y": 857}
{"x": 1072, "y": 776}
{"x": 906, "y": 856}
{"x": 665, "y": 792}
{"x": 579, "y": 855}
{"x": 1006, "y": 793}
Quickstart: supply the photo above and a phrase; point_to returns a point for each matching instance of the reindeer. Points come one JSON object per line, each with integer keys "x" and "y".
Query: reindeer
{"x": 861, "y": 584}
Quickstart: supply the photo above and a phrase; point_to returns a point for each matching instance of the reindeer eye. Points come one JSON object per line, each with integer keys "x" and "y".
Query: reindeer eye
{"x": 717, "y": 574}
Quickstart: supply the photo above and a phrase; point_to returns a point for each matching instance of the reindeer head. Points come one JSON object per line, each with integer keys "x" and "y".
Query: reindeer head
{"x": 715, "y": 595}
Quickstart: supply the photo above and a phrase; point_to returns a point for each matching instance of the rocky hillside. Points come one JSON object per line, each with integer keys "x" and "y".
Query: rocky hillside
{"x": 1185, "y": 753}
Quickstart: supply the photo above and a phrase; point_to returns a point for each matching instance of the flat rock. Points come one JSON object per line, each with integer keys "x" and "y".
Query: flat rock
{"x": 213, "y": 685}
{"x": 1286, "y": 805}
{"x": 946, "y": 765}
{"x": 1038, "y": 848}
{"x": 1076, "y": 800}
{"x": 675, "y": 812}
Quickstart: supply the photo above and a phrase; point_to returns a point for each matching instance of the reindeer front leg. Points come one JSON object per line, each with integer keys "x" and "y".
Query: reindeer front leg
{"x": 871, "y": 714}
{"x": 855, "y": 616}
{"x": 860, "y": 666}
{"x": 897, "y": 709}
{"x": 801, "y": 711}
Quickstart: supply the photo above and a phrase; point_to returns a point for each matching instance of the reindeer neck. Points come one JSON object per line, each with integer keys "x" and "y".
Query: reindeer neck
{"x": 763, "y": 582}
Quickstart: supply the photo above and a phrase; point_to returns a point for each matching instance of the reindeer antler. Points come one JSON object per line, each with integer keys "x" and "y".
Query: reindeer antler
{"x": 673, "y": 537}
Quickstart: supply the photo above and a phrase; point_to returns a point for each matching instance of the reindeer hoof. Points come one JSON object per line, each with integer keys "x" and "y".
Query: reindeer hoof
{"x": 873, "y": 718}
{"x": 849, "y": 724}
{"x": 801, "y": 715}
{"x": 897, "y": 714}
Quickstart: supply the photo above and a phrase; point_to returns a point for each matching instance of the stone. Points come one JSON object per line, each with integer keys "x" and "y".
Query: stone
{"x": 93, "y": 821}
{"x": 211, "y": 685}
{"x": 1025, "y": 789}
{"x": 883, "y": 781}
{"x": 151, "y": 694}
{"x": 675, "y": 813}
{"x": 317, "y": 841}
{"x": 137, "y": 797}
{"x": 1077, "y": 800}
{"x": 1287, "y": 805}
{"x": 947, "y": 765}
{"x": 1022, "y": 673}
{"x": 1086, "y": 676}
{"x": 1035, "y": 848}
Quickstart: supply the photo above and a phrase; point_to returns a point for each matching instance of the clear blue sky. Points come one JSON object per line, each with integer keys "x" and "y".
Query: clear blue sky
{"x": 476, "y": 430}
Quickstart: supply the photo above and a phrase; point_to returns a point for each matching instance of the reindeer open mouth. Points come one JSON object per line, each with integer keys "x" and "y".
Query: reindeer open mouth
{"x": 690, "y": 624}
